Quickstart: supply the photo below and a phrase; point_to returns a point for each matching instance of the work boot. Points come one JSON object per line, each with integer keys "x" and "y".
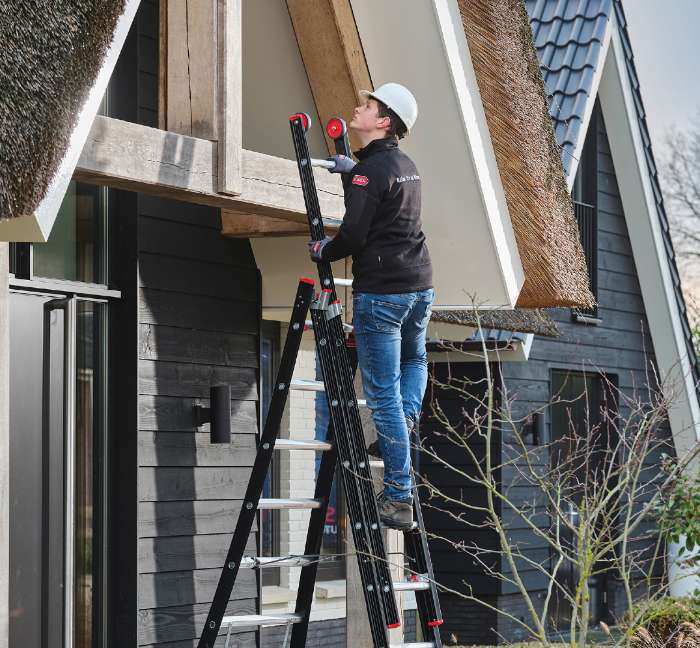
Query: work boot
{"x": 373, "y": 448}
{"x": 395, "y": 514}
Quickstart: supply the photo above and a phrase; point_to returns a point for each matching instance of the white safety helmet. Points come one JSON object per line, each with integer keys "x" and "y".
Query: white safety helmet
{"x": 399, "y": 99}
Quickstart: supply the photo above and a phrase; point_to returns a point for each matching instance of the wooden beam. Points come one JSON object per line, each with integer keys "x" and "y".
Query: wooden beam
{"x": 332, "y": 53}
{"x": 191, "y": 70}
{"x": 230, "y": 96}
{"x": 139, "y": 158}
{"x": 242, "y": 225}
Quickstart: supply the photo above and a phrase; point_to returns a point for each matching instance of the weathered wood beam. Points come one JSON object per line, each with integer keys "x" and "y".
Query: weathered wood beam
{"x": 236, "y": 224}
{"x": 139, "y": 158}
{"x": 230, "y": 80}
{"x": 332, "y": 53}
{"x": 242, "y": 225}
{"x": 190, "y": 67}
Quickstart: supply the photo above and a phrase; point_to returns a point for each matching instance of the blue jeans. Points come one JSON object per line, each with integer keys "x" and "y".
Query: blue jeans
{"x": 390, "y": 337}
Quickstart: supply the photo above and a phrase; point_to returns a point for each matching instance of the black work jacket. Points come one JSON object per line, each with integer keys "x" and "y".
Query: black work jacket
{"x": 382, "y": 227}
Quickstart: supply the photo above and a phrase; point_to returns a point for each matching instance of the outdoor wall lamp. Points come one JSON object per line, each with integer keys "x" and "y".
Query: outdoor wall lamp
{"x": 534, "y": 425}
{"x": 218, "y": 414}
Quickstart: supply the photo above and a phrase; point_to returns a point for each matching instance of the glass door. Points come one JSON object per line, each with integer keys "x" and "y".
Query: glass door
{"x": 57, "y": 445}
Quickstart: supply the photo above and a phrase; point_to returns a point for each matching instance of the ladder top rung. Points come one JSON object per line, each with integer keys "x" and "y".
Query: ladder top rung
{"x": 293, "y": 444}
{"x": 242, "y": 620}
{"x": 277, "y": 503}
{"x": 340, "y": 281}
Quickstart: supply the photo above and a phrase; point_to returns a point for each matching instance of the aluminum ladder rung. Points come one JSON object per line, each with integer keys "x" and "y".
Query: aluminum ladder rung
{"x": 411, "y": 586}
{"x": 277, "y": 503}
{"x": 261, "y": 562}
{"x": 341, "y": 281}
{"x": 293, "y": 444}
{"x": 242, "y": 620}
{"x": 419, "y": 644}
{"x": 302, "y": 384}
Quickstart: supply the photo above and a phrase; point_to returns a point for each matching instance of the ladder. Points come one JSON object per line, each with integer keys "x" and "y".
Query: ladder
{"x": 344, "y": 451}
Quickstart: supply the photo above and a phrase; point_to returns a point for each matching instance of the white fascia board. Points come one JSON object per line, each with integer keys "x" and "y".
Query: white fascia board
{"x": 37, "y": 227}
{"x": 465, "y": 213}
{"x": 648, "y": 248}
{"x": 590, "y": 104}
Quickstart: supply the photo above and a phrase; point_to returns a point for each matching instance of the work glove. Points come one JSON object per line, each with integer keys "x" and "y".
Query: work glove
{"x": 316, "y": 249}
{"x": 343, "y": 164}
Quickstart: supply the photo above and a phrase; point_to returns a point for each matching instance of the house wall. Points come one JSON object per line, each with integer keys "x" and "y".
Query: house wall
{"x": 275, "y": 84}
{"x": 466, "y": 621}
{"x": 620, "y": 345}
{"x": 189, "y": 318}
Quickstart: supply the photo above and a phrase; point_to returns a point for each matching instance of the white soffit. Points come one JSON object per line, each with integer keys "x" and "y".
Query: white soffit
{"x": 36, "y": 227}
{"x": 465, "y": 217}
{"x": 646, "y": 239}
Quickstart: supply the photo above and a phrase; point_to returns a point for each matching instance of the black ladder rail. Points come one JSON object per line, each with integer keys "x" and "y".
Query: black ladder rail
{"x": 266, "y": 446}
{"x": 358, "y": 462}
{"x": 427, "y": 601}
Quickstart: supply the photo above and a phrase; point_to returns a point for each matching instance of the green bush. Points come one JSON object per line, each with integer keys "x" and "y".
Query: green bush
{"x": 663, "y": 616}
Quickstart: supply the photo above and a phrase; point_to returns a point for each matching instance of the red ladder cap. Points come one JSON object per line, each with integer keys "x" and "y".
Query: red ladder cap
{"x": 305, "y": 119}
{"x": 327, "y": 290}
{"x": 306, "y": 280}
{"x": 336, "y": 301}
{"x": 436, "y": 622}
{"x": 393, "y": 626}
{"x": 335, "y": 128}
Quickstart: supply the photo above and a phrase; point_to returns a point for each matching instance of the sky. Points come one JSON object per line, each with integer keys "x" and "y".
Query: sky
{"x": 665, "y": 38}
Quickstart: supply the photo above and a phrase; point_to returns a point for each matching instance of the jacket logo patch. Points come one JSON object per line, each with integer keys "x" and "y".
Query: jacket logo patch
{"x": 408, "y": 178}
{"x": 360, "y": 180}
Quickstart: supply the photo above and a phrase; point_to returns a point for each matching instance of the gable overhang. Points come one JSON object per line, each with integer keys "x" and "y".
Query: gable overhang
{"x": 465, "y": 214}
{"x": 36, "y": 226}
{"x": 647, "y": 241}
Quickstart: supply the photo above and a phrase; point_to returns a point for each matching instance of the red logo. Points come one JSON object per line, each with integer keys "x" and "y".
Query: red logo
{"x": 360, "y": 180}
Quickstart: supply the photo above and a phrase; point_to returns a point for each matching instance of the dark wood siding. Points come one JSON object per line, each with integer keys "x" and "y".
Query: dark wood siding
{"x": 198, "y": 320}
{"x": 453, "y": 562}
{"x": 620, "y": 346}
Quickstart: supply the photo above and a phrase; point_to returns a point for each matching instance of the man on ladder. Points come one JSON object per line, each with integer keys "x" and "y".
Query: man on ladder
{"x": 392, "y": 282}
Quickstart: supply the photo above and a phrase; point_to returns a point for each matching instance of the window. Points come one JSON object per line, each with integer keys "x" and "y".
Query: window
{"x": 583, "y": 443}
{"x": 585, "y": 199}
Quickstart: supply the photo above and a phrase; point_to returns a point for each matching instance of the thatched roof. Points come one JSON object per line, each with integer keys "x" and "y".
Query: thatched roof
{"x": 51, "y": 55}
{"x": 522, "y": 320}
{"x": 529, "y": 161}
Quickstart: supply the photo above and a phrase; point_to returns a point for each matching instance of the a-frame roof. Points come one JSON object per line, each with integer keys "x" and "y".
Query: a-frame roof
{"x": 572, "y": 38}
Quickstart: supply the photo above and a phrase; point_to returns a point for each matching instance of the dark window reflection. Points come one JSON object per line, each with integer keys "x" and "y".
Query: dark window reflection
{"x": 74, "y": 251}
